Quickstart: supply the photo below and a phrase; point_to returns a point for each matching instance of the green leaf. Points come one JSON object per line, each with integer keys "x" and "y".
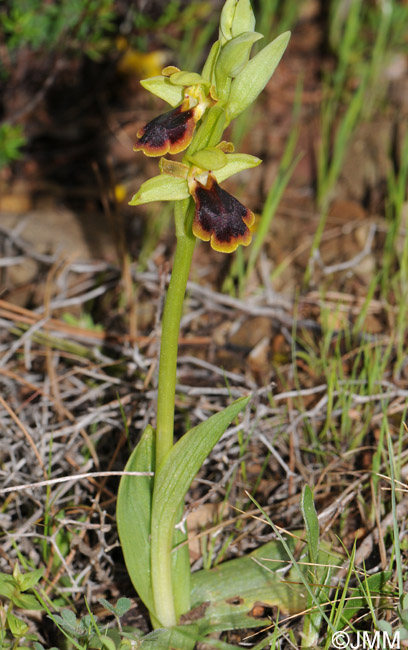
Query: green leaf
{"x": 235, "y": 55}
{"x": 163, "y": 88}
{"x": 180, "y": 638}
{"x": 359, "y": 598}
{"x": 384, "y": 626}
{"x": 311, "y": 522}
{"x": 161, "y": 188}
{"x": 26, "y": 601}
{"x": 17, "y": 626}
{"x": 133, "y": 513}
{"x": 226, "y": 597}
{"x": 404, "y": 601}
{"x": 28, "y": 580}
{"x": 403, "y": 614}
{"x": 122, "y": 606}
{"x": 180, "y": 570}
{"x": 7, "y": 585}
{"x": 244, "y": 18}
{"x": 174, "y": 478}
{"x": 253, "y": 78}
{"x": 209, "y": 159}
{"x": 236, "y": 162}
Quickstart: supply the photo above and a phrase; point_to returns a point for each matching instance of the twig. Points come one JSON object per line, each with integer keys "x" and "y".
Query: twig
{"x": 75, "y": 477}
{"x": 25, "y": 432}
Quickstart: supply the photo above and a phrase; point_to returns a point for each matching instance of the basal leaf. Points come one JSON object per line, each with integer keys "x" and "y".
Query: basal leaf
{"x": 361, "y": 596}
{"x": 133, "y": 513}
{"x": 180, "y": 570}
{"x": 238, "y": 593}
{"x": 174, "y": 478}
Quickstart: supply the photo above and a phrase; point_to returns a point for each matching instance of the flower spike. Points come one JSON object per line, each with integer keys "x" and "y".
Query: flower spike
{"x": 219, "y": 217}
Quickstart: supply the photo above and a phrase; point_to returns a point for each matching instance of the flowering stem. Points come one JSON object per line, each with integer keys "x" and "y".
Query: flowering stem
{"x": 163, "y": 593}
{"x": 170, "y": 330}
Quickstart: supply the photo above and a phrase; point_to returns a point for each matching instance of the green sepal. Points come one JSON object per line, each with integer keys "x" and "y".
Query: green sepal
{"x": 235, "y": 55}
{"x": 174, "y": 477}
{"x": 162, "y": 87}
{"x": 208, "y": 69}
{"x": 210, "y": 130}
{"x": 236, "y": 162}
{"x": 226, "y": 19}
{"x": 133, "y": 514}
{"x": 253, "y": 78}
{"x": 209, "y": 159}
{"x": 183, "y": 78}
{"x": 161, "y": 188}
{"x": 244, "y": 18}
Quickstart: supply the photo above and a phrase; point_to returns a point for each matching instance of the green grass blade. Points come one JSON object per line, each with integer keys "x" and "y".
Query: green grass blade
{"x": 311, "y": 523}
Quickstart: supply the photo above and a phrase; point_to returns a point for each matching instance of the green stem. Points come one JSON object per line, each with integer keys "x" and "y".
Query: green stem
{"x": 163, "y": 593}
{"x": 172, "y": 313}
{"x": 166, "y": 601}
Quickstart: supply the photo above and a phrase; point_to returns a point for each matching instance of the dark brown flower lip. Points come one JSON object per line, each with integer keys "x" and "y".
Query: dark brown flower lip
{"x": 170, "y": 132}
{"x": 219, "y": 217}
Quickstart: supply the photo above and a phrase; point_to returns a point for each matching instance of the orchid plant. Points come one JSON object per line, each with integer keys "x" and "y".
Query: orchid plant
{"x": 203, "y": 105}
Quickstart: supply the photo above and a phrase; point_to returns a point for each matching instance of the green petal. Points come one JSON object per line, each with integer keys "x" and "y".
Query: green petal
{"x": 253, "y": 78}
{"x": 208, "y": 159}
{"x": 236, "y": 162}
{"x": 187, "y": 79}
{"x": 161, "y": 188}
{"x": 163, "y": 88}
